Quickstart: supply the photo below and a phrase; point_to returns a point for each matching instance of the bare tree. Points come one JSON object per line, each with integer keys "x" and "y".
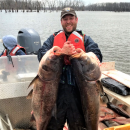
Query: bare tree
{"x": 23, "y": 6}
{"x": 43, "y": 4}
{"x": 1, "y": 6}
{"x": 4, "y": 6}
{"x": 8, "y": 5}
{"x": 51, "y": 5}
{"x": 60, "y": 5}
{"x": 37, "y": 5}
{"x": 30, "y": 6}
{"x": 57, "y": 5}
{"x": 81, "y": 5}
{"x": 16, "y": 5}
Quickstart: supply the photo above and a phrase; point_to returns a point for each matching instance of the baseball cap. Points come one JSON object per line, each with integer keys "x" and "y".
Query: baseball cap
{"x": 66, "y": 11}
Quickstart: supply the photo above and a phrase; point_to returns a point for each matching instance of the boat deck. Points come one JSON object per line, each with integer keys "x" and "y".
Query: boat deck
{"x": 13, "y": 93}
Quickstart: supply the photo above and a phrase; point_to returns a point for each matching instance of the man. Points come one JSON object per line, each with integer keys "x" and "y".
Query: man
{"x": 68, "y": 101}
{"x": 11, "y": 46}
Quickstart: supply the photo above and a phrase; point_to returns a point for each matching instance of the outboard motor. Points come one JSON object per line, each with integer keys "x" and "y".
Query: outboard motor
{"x": 30, "y": 40}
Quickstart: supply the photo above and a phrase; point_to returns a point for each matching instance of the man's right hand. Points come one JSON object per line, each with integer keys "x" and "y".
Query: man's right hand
{"x": 68, "y": 48}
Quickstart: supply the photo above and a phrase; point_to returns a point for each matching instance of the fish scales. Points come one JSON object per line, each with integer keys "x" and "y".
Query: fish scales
{"x": 43, "y": 100}
{"x": 45, "y": 88}
{"x": 89, "y": 88}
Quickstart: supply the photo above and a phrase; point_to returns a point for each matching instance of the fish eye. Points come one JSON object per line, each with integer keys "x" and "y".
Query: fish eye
{"x": 44, "y": 67}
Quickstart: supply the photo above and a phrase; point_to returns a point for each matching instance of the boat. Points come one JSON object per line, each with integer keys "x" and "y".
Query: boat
{"x": 14, "y": 82}
{"x": 17, "y": 73}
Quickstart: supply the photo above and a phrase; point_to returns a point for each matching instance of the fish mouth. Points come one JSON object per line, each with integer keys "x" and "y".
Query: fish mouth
{"x": 53, "y": 57}
{"x": 78, "y": 54}
{"x": 56, "y": 51}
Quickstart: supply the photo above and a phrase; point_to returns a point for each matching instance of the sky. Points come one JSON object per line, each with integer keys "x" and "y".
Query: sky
{"x": 101, "y": 1}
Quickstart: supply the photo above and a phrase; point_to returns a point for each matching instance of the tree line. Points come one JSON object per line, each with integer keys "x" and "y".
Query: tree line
{"x": 35, "y": 5}
{"x": 55, "y": 5}
{"x": 117, "y": 7}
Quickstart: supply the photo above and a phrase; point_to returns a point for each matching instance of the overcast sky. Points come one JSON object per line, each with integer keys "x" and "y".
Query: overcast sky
{"x": 101, "y": 1}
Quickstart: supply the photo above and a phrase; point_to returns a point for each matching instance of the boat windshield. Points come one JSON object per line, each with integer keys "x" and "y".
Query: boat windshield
{"x": 21, "y": 68}
{"x": 16, "y": 76}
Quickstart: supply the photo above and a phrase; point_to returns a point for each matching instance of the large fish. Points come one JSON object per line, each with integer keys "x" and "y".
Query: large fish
{"x": 45, "y": 86}
{"x": 87, "y": 72}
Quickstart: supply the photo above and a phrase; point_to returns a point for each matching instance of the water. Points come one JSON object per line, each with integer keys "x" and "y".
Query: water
{"x": 111, "y": 30}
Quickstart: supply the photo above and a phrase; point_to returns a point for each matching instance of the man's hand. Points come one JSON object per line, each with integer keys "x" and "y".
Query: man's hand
{"x": 68, "y": 48}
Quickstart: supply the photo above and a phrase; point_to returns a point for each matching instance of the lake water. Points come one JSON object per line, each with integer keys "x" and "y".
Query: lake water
{"x": 111, "y": 30}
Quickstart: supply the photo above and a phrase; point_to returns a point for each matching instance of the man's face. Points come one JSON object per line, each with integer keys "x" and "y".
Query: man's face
{"x": 69, "y": 23}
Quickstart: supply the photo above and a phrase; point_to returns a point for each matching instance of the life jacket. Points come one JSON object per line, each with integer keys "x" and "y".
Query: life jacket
{"x": 76, "y": 39}
{"x": 14, "y": 50}
{"x": 8, "y": 66}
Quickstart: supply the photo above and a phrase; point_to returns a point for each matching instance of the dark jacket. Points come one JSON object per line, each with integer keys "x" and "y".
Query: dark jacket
{"x": 90, "y": 46}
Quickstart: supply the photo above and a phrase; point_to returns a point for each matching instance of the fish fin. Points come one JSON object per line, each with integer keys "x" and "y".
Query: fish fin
{"x": 54, "y": 111}
{"x": 29, "y": 96}
{"x": 32, "y": 118}
{"x": 102, "y": 93}
{"x": 30, "y": 88}
{"x": 33, "y": 81}
{"x": 102, "y": 103}
{"x": 99, "y": 84}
